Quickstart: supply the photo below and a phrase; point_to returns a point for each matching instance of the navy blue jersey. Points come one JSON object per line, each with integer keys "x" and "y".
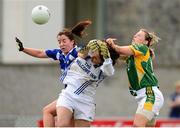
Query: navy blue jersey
{"x": 175, "y": 111}
{"x": 65, "y": 60}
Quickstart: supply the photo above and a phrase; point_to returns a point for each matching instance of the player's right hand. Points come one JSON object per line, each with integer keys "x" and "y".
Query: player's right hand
{"x": 110, "y": 42}
{"x": 104, "y": 51}
{"x": 19, "y": 44}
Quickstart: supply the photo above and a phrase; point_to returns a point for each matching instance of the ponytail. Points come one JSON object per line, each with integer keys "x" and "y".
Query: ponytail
{"x": 151, "y": 37}
{"x": 79, "y": 28}
{"x": 77, "y": 32}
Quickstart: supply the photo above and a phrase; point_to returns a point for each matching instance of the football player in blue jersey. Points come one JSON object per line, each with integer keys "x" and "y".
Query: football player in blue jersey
{"x": 65, "y": 54}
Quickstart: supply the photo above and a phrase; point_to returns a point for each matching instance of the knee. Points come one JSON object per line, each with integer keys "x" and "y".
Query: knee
{"x": 140, "y": 121}
{"x": 151, "y": 123}
{"x": 45, "y": 110}
{"x": 139, "y": 124}
{"x": 48, "y": 110}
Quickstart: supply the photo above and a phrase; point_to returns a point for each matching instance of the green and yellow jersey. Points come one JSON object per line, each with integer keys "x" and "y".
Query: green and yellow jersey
{"x": 140, "y": 69}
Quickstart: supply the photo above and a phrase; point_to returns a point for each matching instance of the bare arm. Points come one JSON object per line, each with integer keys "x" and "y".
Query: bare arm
{"x": 30, "y": 51}
{"x": 125, "y": 50}
{"x": 35, "y": 52}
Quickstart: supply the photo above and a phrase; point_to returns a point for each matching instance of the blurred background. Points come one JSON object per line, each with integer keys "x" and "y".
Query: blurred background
{"x": 27, "y": 84}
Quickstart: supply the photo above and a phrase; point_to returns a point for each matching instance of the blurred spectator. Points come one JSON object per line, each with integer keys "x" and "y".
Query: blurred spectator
{"x": 175, "y": 102}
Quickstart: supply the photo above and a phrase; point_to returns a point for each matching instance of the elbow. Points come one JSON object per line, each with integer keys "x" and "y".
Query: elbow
{"x": 109, "y": 72}
{"x": 108, "y": 68}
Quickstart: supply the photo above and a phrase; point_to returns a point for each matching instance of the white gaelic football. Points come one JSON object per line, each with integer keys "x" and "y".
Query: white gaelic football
{"x": 40, "y": 14}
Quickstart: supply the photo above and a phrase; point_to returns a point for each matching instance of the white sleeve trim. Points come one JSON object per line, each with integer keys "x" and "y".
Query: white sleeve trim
{"x": 57, "y": 55}
{"x": 107, "y": 67}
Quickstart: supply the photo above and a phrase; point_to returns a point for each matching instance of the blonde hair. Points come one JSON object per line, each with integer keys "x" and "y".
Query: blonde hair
{"x": 151, "y": 37}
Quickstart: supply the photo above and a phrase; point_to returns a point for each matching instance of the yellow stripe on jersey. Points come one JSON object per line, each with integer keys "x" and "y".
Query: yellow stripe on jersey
{"x": 140, "y": 57}
{"x": 136, "y": 52}
{"x": 139, "y": 68}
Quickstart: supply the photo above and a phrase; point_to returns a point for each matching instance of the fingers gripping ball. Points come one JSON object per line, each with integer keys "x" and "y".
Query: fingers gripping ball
{"x": 19, "y": 44}
{"x": 104, "y": 51}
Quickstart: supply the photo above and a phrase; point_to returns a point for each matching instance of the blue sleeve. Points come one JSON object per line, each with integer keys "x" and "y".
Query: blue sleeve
{"x": 52, "y": 53}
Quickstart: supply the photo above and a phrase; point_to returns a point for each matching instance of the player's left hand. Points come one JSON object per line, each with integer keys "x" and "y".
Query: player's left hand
{"x": 93, "y": 45}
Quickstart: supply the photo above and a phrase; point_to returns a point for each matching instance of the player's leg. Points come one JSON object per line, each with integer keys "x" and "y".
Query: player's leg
{"x": 151, "y": 123}
{"x": 144, "y": 111}
{"x": 64, "y": 117}
{"x": 64, "y": 108}
{"x": 140, "y": 120}
{"x": 84, "y": 113}
{"x": 49, "y": 112}
{"x": 82, "y": 123}
{"x": 159, "y": 101}
{"x": 148, "y": 107}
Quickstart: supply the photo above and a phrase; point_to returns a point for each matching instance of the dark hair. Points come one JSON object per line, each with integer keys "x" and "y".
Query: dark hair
{"x": 114, "y": 55}
{"x": 148, "y": 37}
{"x": 77, "y": 31}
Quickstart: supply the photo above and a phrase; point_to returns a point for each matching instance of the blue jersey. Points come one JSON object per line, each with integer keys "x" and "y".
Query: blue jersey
{"x": 65, "y": 60}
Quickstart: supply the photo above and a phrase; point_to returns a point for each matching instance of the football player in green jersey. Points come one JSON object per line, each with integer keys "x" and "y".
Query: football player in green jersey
{"x": 143, "y": 83}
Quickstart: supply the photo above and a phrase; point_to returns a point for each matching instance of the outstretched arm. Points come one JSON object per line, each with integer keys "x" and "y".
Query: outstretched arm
{"x": 35, "y": 52}
{"x": 31, "y": 51}
{"x": 125, "y": 50}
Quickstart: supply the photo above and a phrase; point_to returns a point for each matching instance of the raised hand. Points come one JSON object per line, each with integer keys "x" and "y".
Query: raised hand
{"x": 19, "y": 44}
{"x": 110, "y": 42}
{"x": 93, "y": 45}
{"x": 104, "y": 51}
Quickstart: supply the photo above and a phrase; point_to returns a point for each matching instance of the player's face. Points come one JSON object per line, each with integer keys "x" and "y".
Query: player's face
{"x": 95, "y": 57}
{"x": 178, "y": 89}
{"x": 65, "y": 44}
{"x": 139, "y": 38}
